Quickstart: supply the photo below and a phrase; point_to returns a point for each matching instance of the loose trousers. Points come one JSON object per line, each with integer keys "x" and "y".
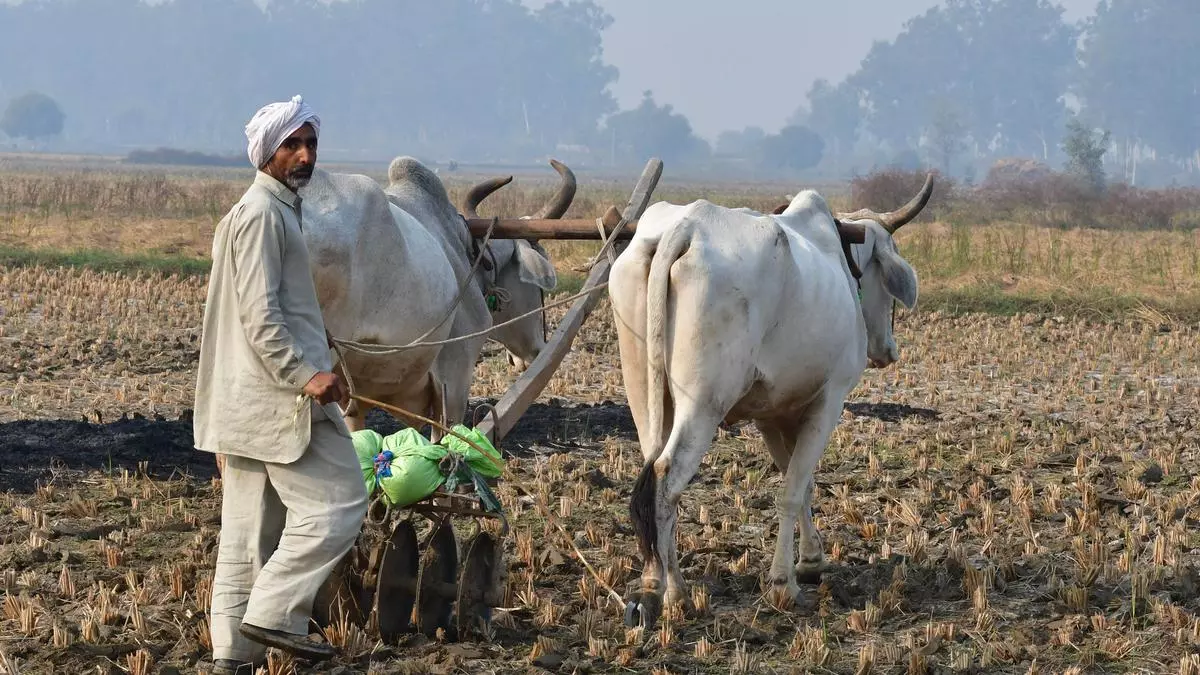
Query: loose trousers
{"x": 283, "y": 529}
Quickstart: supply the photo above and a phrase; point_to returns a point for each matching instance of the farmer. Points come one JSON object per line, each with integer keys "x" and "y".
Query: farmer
{"x": 293, "y": 497}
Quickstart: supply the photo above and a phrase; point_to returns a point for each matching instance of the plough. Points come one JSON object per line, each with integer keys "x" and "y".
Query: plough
{"x": 396, "y": 580}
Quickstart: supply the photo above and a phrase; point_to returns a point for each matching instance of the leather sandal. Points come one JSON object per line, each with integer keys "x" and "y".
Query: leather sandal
{"x": 296, "y": 645}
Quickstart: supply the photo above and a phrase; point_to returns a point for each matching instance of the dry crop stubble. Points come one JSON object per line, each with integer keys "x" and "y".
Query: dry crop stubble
{"x": 1016, "y": 488}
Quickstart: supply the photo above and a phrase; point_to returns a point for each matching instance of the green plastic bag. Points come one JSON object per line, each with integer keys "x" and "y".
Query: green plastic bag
{"x": 492, "y": 468}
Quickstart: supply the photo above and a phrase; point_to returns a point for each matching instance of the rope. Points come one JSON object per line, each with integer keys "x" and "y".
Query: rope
{"x": 462, "y": 288}
{"x": 507, "y": 474}
{"x": 352, "y": 407}
{"x": 383, "y": 350}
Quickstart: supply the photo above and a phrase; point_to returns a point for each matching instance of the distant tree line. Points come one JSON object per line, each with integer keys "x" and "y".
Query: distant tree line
{"x": 963, "y": 84}
{"x": 971, "y": 80}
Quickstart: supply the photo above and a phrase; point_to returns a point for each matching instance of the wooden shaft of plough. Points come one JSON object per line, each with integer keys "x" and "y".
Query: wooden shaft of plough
{"x": 513, "y": 228}
{"x": 530, "y": 384}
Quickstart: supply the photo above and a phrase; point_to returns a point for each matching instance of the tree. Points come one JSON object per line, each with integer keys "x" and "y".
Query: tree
{"x": 33, "y": 116}
{"x": 1006, "y": 63}
{"x": 1085, "y": 154}
{"x": 1140, "y": 72}
{"x": 835, "y": 113}
{"x": 653, "y": 130}
{"x": 739, "y": 143}
{"x": 794, "y": 147}
{"x": 947, "y": 134}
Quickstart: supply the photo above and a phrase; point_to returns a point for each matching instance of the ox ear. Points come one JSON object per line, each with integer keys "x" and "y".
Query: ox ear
{"x": 899, "y": 278}
{"x": 534, "y": 266}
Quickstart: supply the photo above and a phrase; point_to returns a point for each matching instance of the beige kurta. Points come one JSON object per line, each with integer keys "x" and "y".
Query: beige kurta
{"x": 264, "y": 337}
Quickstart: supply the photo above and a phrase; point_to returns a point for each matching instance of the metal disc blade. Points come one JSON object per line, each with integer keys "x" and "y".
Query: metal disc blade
{"x": 477, "y": 585}
{"x": 395, "y": 590}
{"x": 436, "y": 587}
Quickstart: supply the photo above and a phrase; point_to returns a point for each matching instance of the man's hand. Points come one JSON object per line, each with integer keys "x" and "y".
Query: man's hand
{"x": 326, "y": 388}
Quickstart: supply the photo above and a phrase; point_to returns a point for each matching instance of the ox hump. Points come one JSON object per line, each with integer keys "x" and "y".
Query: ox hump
{"x": 405, "y": 170}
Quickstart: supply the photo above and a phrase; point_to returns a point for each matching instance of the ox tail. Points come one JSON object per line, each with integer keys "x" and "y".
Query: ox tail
{"x": 641, "y": 505}
{"x": 641, "y": 513}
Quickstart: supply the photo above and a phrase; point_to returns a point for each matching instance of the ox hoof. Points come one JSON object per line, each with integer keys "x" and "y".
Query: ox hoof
{"x": 808, "y": 575}
{"x": 809, "y": 572}
{"x": 645, "y": 609}
{"x": 784, "y": 595}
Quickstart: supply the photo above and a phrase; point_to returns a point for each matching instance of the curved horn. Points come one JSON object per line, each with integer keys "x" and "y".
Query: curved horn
{"x": 561, "y": 201}
{"x": 480, "y": 192}
{"x": 892, "y": 220}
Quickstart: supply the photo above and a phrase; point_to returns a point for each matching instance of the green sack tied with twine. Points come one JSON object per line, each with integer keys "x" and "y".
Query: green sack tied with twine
{"x": 406, "y": 465}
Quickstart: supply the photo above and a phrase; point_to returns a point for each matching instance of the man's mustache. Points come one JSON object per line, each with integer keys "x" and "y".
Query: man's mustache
{"x": 302, "y": 171}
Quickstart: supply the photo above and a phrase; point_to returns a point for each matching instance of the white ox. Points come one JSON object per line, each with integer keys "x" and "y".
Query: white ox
{"x": 388, "y": 267}
{"x": 727, "y": 315}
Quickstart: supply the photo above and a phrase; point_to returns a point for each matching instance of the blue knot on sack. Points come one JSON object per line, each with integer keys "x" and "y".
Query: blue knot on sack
{"x": 383, "y": 465}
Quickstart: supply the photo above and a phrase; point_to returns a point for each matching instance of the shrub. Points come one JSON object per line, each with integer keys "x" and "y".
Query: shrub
{"x": 182, "y": 157}
{"x": 888, "y": 189}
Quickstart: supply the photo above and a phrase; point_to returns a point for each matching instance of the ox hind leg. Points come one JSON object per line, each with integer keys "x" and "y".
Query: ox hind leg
{"x": 808, "y": 438}
{"x": 781, "y": 440}
{"x": 655, "y": 505}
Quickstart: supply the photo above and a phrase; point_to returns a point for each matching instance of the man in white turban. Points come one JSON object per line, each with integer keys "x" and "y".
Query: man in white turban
{"x": 293, "y": 498}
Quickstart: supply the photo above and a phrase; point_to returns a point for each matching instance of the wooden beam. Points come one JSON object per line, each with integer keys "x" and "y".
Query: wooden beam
{"x": 578, "y": 228}
{"x": 513, "y": 404}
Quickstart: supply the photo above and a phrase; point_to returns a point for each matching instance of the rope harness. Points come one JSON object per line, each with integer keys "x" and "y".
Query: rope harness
{"x": 496, "y": 298}
{"x": 856, "y": 272}
{"x": 382, "y": 350}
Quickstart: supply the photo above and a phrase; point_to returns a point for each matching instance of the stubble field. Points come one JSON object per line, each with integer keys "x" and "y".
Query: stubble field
{"x": 1017, "y": 494}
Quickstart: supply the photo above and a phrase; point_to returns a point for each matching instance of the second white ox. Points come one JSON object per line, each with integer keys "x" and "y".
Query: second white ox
{"x": 388, "y": 267}
{"x": 728, "y": 314}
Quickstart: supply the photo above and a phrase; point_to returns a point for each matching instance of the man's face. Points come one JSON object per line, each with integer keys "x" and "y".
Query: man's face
{"x": 292, "y": 164}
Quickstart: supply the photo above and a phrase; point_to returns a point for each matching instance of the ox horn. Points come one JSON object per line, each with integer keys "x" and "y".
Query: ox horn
{"x": 892, "y": 220}
{"x": 480, "y": 192}
{"x": 562, "y": 199}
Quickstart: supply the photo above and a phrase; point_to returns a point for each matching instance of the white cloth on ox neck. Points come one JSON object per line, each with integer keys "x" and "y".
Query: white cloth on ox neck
{"x": 273, "y": 123}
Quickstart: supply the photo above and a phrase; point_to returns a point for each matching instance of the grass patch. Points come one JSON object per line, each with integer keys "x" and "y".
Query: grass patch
{"x": 104, "y": 261}
{"x": 569, "y": 283}
{"x": 1096, "y": 306}
{"x": 981, "y": 298}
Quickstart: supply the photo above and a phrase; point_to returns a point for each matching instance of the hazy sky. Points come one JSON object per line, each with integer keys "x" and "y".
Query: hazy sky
{"x": 727, "y": 64}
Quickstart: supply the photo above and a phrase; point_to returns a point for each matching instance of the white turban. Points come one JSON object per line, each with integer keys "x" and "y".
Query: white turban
{"x": 273, "y": 123}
